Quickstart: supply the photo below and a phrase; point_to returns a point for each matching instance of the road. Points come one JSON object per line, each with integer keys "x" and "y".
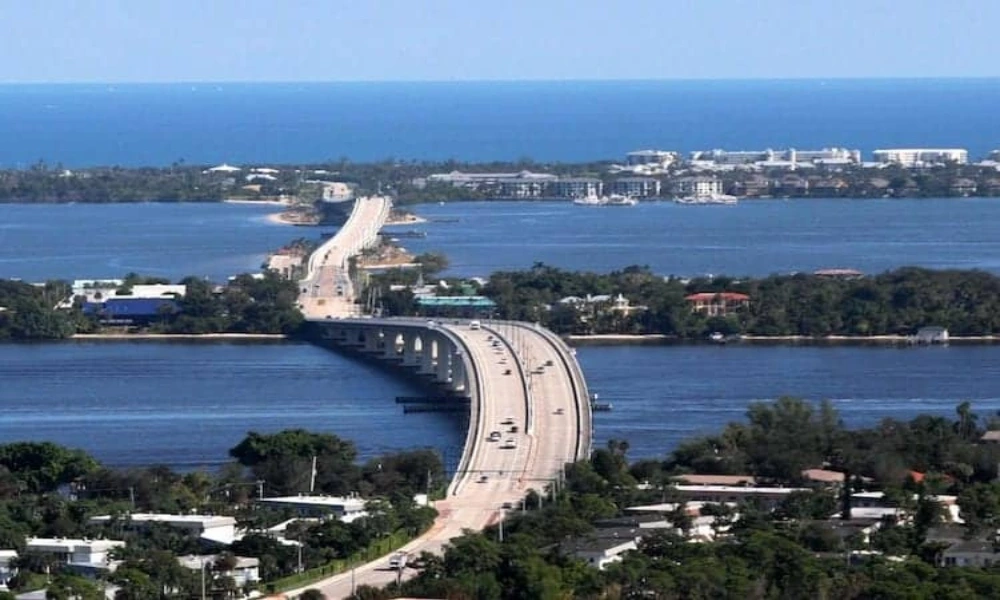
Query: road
{"x": 327, "y": 290}
{"x": 522, "y": 376}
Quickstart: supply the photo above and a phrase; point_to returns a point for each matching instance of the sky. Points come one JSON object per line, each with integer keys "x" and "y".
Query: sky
{"x": 50, "y": 41}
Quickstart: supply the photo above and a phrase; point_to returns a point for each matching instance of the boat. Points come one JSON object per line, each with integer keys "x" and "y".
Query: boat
{"x": 612, "y": 200}
{"x": 710, "y": 199}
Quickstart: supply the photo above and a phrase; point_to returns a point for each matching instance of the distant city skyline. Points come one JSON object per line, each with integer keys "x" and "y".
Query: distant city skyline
{"x": 118, "y": 41}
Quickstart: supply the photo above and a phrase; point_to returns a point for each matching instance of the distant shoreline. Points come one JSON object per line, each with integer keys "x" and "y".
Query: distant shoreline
{"x": 778, "y": 340}
{"x": 178, "y": 336}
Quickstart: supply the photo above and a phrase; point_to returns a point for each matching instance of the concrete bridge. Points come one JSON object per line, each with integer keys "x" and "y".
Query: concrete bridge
{"x": 516, "y": 375}
{"x": 523, "y": 385}
{"x": 327, "y": 290}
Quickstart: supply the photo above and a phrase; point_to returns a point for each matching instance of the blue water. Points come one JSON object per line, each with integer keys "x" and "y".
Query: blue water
{"x": 186, "y": 404}
{"x": 755, "y": 237}
{"x": 85, "y": 241}
{"x": 158, "y": 124}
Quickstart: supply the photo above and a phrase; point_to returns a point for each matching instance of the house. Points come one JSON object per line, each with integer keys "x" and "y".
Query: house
{"x": 728, "y": 494}
{"x": 8, "y": 559}
{"x": 245, "y": 570}
{"x": 823, "y": 476}
{"x": 80, "y": 555}
{"x": 839, "y": 273}
{"x": 963, "y": 187}
{"x": 221, "y": 530}
{"x": 732, "y": 480}
{"x": 346, "y": 509}
{"x": 970, "y": 553}
{"x": 991, "y": 437}
{"x": 717, "y": 304}
{"x": 931, "y": 335}
{"x": 602, "y": 547}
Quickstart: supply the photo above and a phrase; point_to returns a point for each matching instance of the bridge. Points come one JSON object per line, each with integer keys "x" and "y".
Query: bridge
{"x": 521, "y": 380}
{"x": 327, "y": 290}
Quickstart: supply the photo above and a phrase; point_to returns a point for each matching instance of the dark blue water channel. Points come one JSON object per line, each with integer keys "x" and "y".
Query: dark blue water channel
{"x": 186, "y": 404}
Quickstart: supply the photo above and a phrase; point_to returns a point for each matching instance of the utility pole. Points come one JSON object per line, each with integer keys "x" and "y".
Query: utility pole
{"x": 131, "y": 496}
{"x": 260, "y": 489}
{"x": 312, "y": 476}
{"x": 202, "y": 579}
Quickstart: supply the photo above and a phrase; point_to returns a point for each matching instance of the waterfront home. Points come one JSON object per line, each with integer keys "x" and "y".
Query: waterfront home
{"x": 217, "y": 529}
{"x": 698, "y": 187}
{"x": 731, "y": 480}
{"x": 963, "y": 187}
{"x": 839, "y": 273}
{"x": 345, "y": 509}
{"x": 83, "y": 556}
{"x": 991, "y": 437}
{"x": 717, "y": 304}
{"x": 931, "y": 335}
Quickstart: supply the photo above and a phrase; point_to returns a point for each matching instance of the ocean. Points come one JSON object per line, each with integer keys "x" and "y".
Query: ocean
{"x": 159, "y": 124}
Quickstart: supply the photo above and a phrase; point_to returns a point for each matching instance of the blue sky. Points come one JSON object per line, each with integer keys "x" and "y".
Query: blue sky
{"x": 334, "y": 40}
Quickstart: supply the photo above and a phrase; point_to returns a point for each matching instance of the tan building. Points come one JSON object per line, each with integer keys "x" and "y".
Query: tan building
{"x": 717, "y": 304}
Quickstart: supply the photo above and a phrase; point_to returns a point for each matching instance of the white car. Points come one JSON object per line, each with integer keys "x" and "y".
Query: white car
{"x": 510, "y": 444}
{"x": 507, "y": 421}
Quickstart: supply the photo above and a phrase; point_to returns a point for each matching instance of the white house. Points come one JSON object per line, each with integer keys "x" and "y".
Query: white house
{"x": 970, "y": 553}
{"x": 84, "y": 554}
{"x": 603, "y": 547}
{"x": 345, "y": 509}
{"x": 7, "y": 570}
{"x": 221, "y": 530}
{"x": 245, "y": 571}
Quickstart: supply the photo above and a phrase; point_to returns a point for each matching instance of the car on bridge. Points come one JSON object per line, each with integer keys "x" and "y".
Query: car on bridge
{"x": 495, "y": 436}
{"x": 510, "y": 444}
{"x": 507, "y": 421}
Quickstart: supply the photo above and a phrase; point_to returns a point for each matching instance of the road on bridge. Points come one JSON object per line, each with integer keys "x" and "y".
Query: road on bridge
{"x": 524, "y": 379}
{"x": 327, "y": 290}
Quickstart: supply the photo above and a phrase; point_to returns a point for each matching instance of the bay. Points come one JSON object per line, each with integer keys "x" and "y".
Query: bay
{"x": 90, "y": 241}
{"x": 185, "y": 404}
{"x": 753, "y": 238}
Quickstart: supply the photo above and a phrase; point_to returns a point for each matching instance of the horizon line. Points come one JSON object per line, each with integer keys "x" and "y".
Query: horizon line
{"x": 838, "y": 78}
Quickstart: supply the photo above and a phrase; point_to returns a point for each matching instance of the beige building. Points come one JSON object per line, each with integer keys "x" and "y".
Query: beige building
{"x": 918, "y": 157}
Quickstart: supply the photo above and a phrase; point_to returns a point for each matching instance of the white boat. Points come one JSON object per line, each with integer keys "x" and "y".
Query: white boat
{"x": 612, "y": 200}
{"x": 711, "y": 199}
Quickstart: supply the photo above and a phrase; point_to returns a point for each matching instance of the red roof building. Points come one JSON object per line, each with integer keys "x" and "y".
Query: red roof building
{"x": 717, "y": 304}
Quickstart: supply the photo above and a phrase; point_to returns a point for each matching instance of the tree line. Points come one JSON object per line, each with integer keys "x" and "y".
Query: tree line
{"x": 47, "y": 490}
{"x": 896, "y": 302}
{"x": 246, "y": 304}
{"x": 792, "y": 551}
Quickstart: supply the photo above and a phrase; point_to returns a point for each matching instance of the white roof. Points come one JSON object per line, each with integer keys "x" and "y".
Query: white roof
{"x": 223, "y": 168}
{"x": 735, "y": 489}
{"x": 69, "y": 544}
{"x": 203, "y": 520}
{"x": 318, "y": 501}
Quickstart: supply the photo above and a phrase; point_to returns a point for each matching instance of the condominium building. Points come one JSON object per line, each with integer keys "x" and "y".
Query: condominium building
{"x": 917, "y": 157}
{"x": 576, "y": 187}
{"x": 790, "y": 158}
{"x": 524, "y": 184}
{"x": 660, "y": 158}
{"x": 636, "y": 187}
{"x": 698, "y": 187}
